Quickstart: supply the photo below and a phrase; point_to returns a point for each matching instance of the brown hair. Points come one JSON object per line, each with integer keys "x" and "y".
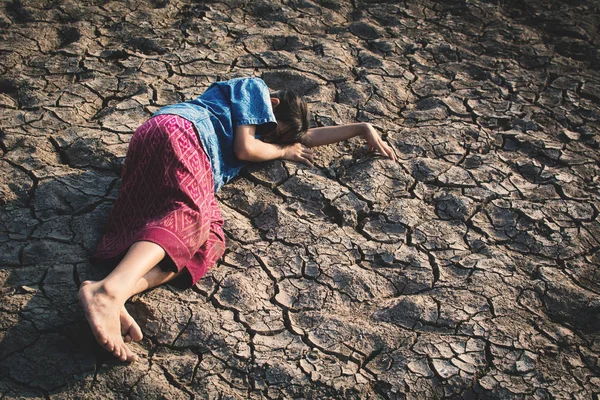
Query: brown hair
{"x": 292, "y": 117}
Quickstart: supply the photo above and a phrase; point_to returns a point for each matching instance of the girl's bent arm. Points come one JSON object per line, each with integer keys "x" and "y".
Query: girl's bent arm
{"x": 247, "y": 148}
{"x": 333, "y": 134}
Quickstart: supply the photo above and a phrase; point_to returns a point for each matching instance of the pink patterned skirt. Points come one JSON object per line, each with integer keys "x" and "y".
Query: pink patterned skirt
{"x": 167, "y": 197}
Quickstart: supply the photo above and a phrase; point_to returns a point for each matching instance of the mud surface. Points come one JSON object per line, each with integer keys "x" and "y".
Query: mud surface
{"x": 469, "y": 268}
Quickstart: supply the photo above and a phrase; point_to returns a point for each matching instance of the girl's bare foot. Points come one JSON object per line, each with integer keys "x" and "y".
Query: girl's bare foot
{"x": 103, "y": 313}
{"x": 130, "y": 330}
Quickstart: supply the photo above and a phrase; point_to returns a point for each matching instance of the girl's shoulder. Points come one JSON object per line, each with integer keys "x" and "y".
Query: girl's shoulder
{"x": 242, "y": 83}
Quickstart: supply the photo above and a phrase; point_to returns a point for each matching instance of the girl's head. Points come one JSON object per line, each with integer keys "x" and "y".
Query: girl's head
{"x": 291, "y": 112}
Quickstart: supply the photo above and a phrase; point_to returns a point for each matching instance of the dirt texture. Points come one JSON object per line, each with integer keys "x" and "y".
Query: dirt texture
{"x": 469, "y": 269}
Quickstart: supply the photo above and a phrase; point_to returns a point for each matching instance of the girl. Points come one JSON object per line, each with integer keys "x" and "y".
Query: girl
{"x": 166, "y": 224}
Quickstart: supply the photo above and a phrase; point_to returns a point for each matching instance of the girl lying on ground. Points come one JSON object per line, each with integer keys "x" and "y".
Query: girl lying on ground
{"x": 166, "y": 224}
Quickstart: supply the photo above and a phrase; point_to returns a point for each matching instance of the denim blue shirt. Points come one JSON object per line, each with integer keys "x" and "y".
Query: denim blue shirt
{"x": 222, "y": 107}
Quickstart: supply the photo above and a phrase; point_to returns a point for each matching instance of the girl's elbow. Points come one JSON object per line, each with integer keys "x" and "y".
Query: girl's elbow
{"x": 241, "y": 153}
{"x": 245, "y": 153}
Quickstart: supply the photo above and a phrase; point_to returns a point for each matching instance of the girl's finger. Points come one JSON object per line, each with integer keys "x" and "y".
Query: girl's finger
{"x": 381, "y": 149}
{"x": 391, "y": 153}
{"x": 386, "y": 150}
{"x": 307, "y": 162}
{"x": 308, "y": 156}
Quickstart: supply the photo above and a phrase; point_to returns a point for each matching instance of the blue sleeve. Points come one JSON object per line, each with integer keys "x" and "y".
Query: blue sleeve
{"x": 251, "y": 104}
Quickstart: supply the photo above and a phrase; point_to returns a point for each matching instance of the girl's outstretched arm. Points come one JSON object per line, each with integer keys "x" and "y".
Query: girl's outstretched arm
{"x": 247, "y": 148}
{"x": 333, "y": 134}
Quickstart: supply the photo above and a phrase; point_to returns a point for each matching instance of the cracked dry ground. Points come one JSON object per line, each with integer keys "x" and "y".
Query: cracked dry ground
{"x": 469, "y": 268}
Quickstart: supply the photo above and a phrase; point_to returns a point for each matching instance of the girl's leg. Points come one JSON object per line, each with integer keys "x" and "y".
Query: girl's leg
{"x": 208, "y": 254}
{"x": 130, "y": 330}
{"x": 103, "y": 301}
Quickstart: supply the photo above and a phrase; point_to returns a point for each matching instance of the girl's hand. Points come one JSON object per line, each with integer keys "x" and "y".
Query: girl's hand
{"x": 376, "y": 143}
{"x": 298, "y": 153}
